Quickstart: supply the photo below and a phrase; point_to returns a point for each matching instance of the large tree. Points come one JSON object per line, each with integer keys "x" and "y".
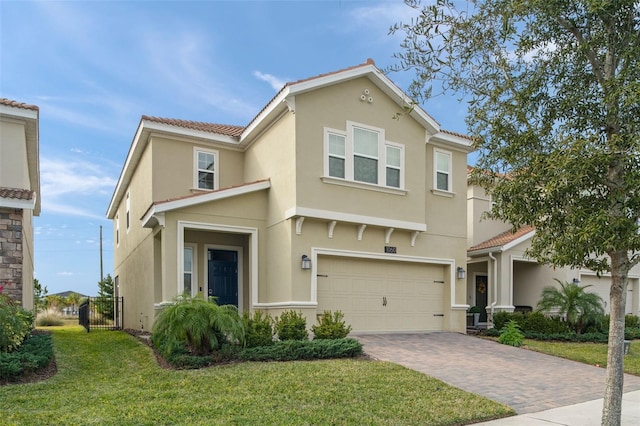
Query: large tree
{"x": 553, "y": 91}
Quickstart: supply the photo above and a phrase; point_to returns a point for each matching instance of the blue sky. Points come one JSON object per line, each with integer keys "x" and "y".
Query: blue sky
{"x": 94, "y": 68}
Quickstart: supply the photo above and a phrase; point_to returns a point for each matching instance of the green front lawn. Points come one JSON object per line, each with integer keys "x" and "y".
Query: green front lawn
{"x": 110, "y": 378}
{"x": 588, "y": 353}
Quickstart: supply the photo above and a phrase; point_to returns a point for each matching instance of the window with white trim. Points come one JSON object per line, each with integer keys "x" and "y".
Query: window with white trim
{"x": 442, "y": 170}
{"x": 361, "y": 154}
{"x": 128, "y": 211}
{"x": 188, "y": 270}
{"x": 206, "y": 165}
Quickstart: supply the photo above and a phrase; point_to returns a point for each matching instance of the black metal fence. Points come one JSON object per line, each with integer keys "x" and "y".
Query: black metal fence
{"x": 102, "y": 313}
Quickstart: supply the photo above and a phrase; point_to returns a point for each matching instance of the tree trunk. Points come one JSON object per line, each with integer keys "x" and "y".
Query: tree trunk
{"x": 612, "y": 408}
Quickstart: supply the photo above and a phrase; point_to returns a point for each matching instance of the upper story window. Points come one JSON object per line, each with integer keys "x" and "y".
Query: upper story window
{"x": 361, "y": 154}
{"x": 206, "y": 169}
{"x": 128, "y": 211}
{"x": 117, "y": 229}
{"x": 442, "y": 170}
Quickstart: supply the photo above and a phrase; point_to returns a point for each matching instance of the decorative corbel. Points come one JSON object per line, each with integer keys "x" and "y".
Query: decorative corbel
{"x": 414, "y": 235}
{"x": 361, "y": 229}
{"x": 330, "y": 227}
{"x": 387, "y": 235}
{"x": 299, "y": 222}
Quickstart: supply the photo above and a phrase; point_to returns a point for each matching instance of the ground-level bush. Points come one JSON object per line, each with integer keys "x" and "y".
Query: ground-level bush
{"x": 331, "y": 326}
{"x": 197, "y": 326}
{"x": 291, "y": 325}
{"x": 290, "y": 350}
{"x": 258, "y": 329}
{"x": 15, "y": 324}
{"x": 49, "y": 318}
{"x": 35, "y": 352}
{"x": 511, "y": 335}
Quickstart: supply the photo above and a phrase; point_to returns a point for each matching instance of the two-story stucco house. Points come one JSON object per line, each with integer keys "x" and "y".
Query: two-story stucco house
{"x": 19, "y": 197}
{"x": 326, "y": 200}
{"x": 502, "y": 278}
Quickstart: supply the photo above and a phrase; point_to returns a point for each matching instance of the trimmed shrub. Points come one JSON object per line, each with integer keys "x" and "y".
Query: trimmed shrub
{"x": 291, "y": 325}
{"x": 196, "y": 326}
{"x": 15, "y": 324}
{"x": 291, "y": 350}
{"x": 258, "y": 329}
{"x": 35, "y": 352}
{"x": 511, "y": 335}
{"x": 632, "y": 321}
{"x": 331, "y": 326}
{"x": 537, "y": 322}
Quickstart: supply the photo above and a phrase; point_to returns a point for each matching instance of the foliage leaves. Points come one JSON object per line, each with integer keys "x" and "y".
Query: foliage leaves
{"x": 197, "y": 325}
{"x": 578, "y": 305}
{"x": 331, "y": 326}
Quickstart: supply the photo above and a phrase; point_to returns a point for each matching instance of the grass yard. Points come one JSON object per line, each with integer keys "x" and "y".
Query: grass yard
{"x": 109, "y": 378}
{"x": 588, "y": 353}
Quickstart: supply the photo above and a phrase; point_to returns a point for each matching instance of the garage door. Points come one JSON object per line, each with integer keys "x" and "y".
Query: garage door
{"x": 601, "y": 286}
{"x": 378, "y": 295}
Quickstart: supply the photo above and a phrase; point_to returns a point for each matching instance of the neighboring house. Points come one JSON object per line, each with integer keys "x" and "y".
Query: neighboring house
{"x": 329, "y": 199}
{"x": 19, "y": 197}
{"x": 502, "y": 278}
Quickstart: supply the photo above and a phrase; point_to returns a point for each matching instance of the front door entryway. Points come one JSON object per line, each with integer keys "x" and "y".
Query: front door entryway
{"x": 223, "y": 276}
{"x": 481, "y": 296}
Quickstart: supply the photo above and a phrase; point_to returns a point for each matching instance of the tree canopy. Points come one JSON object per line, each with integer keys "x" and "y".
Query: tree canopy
{"x": 553, "y": 91}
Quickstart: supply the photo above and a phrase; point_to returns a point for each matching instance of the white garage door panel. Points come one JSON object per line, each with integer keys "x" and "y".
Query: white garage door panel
{"x": 359, "y": 287}
{"x": 601, "y": 286}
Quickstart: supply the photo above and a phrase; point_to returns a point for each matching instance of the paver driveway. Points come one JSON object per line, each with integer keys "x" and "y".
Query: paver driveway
{"x": 524, "y": 380}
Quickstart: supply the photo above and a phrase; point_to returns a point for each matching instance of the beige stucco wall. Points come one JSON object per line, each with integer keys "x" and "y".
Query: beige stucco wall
{"x": 14, "y": 170}
{"x": 332, "y": 107}
{"x": 480, "y": 229}
{"x": 174, "y": 166}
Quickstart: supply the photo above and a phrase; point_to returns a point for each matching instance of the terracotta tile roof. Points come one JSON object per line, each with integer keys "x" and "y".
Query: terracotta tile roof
{"x": 460, "y": 135}
{"x": 369, "y": 61}
{"x": 204, "y": 192}
{"x": 502, "y": 239}
{"x": 16, "y": 104}
{"x": 221, "y": 129}
{"x": 17, "y": 194}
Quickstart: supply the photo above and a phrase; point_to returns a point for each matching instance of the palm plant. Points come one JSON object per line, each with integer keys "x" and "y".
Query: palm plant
{"x": 573, "y": 301}
{"x": 198, "y": 325}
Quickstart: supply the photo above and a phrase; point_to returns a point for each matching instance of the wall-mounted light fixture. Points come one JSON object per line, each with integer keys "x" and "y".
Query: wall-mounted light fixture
{"x": 306, "y": 262}
{"x": 576, "y": 281}
{"x": 462, "y": 274}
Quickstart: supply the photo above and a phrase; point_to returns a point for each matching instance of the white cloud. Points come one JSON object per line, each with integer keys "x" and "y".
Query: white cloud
{"x": 67, "y": 184}
{"x": 275, "y": 82}
{"x": 66, "y": 274}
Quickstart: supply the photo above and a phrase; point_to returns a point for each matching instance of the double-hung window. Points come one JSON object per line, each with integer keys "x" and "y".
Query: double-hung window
{"x": 206, "y": 169}
{"x": 442, "y": 170}
{"x": 117, "y": 229}
{"x": 128, "y": 211}
{"x": 361, "y": 154}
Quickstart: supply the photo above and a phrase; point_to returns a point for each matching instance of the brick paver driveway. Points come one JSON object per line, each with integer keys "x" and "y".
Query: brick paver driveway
{"x": 524, "y": 380}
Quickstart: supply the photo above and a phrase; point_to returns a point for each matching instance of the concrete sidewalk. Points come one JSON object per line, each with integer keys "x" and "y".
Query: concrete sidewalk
{"x": 583, "y": 414}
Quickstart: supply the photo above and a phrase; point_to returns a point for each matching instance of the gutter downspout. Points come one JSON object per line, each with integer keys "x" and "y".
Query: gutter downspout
{"x": 495, "y": 283}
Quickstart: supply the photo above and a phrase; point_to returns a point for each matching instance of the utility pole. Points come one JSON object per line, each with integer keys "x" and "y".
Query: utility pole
{"x": 101, "y": 271}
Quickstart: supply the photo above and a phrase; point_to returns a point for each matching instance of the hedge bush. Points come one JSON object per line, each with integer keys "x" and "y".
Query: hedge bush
{"x": 35, "y": 352}
{"x": 291, "y": 350}
{"x": 291, "y": 325}
{"x": 16, "y": 324}
{"x": 331, "y": 326}
{"x": 258, "y": 329}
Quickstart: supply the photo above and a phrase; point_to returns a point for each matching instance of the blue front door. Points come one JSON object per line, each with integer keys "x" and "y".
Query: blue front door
{"x": 223, "y": 276}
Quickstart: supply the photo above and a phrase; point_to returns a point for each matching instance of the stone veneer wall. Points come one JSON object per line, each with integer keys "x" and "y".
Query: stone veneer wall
{"x": 11, "y": 252}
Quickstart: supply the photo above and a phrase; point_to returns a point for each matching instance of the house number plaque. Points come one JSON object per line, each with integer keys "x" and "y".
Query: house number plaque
{"x": 390, "y": 249}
